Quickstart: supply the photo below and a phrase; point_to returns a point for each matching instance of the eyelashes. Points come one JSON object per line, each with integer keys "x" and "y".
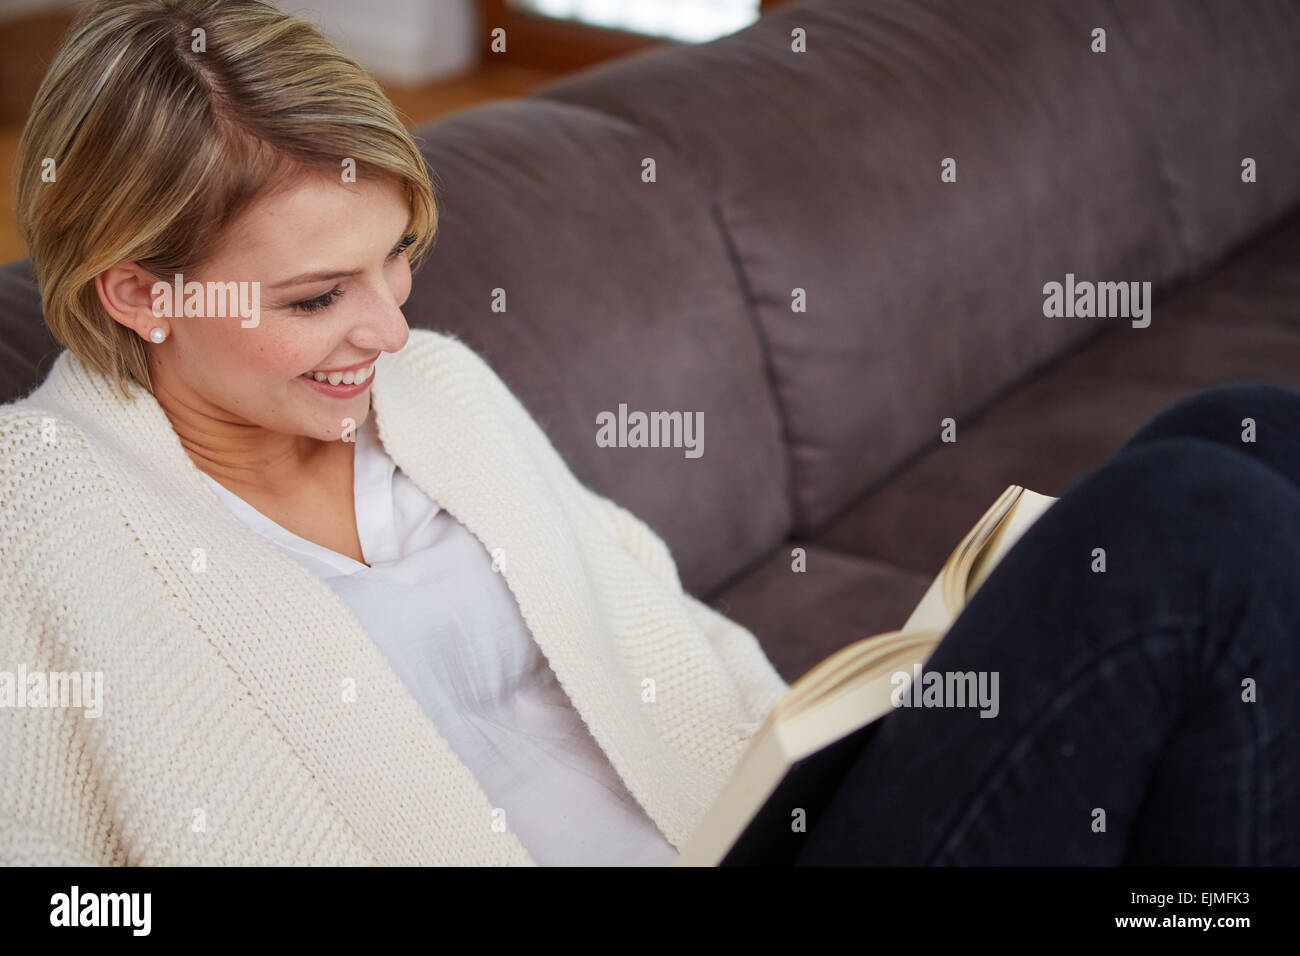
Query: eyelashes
{"x": 324, "y": 301}
{"x": 318, "y": 303}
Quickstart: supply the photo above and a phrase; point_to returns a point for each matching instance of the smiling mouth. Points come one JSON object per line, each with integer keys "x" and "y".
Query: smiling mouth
{"x": 357, "y": 377}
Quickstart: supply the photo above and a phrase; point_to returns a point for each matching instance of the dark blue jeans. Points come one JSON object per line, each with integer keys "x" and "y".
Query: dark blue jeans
{"x": 1148, "y": 714}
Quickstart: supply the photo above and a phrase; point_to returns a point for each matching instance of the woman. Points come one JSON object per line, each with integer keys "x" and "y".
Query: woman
{"x": 348, "y": 603}
{"x": 522, "y": 682}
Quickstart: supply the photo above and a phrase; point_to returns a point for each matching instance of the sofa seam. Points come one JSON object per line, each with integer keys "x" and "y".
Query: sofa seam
{"x": 706, "y": 187}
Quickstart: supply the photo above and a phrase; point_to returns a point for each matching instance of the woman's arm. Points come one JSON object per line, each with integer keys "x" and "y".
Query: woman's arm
{"x": 751, "y": 671}
{"x": 756, "y": 680}
{"x": 24, "y": 845}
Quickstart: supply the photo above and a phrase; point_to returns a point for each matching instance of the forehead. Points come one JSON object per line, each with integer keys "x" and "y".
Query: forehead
{"x": 318, "y": 217}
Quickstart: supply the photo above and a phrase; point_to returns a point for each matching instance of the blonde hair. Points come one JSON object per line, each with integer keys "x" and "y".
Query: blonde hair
{"x": 157, "y": 145}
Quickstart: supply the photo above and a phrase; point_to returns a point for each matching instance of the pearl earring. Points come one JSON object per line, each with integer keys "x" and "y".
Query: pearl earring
{"x": 157, "y": 336}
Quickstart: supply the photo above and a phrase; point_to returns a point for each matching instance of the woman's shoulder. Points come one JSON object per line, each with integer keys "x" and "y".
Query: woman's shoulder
{"x": 43, "y": 453}
{"x": 34, "y": 414}
{"x": 38, "y": 407}
{"x": 56, "y": 505}
{"x": 75, "y": 416}
{"x": 27, "y": 421}
{"x": 426, "y": 347}
{"x": 444, "y": 361}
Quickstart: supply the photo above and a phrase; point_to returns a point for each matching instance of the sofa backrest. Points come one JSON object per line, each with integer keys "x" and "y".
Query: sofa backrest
{"x": 925, "y": 298}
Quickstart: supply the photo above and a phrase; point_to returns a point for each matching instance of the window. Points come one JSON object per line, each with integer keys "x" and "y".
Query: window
{"x": 690, "y": 21}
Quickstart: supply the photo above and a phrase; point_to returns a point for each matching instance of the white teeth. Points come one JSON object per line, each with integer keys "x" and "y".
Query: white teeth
{"x": 355, "y": 377}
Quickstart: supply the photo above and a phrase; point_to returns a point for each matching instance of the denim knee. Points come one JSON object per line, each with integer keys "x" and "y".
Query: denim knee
{"x": 1221, "y": 414}
{"x": 1222, "y": 530}
{"x": 1202, "y": 557}
{"x": 1191, "y": 504}
{"x": 1197, "y": 484}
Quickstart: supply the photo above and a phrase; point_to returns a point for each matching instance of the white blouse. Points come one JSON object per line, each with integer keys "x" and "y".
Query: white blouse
{"x": 452, "y": 631}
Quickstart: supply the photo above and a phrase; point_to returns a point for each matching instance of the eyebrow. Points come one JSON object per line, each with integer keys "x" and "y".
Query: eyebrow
{"x": 330, "y": 274}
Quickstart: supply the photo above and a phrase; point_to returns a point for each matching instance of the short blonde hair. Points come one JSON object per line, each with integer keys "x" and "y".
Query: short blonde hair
{"x": 158, "y": 144}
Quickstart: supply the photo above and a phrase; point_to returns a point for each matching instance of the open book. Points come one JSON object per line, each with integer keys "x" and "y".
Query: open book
{"x": 802, "y": 751}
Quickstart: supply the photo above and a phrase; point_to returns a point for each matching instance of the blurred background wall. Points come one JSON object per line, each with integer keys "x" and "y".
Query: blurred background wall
{"x": 430, "y": 56}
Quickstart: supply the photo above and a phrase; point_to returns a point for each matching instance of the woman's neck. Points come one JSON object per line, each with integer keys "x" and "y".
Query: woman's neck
{"x": 247, "y": 458}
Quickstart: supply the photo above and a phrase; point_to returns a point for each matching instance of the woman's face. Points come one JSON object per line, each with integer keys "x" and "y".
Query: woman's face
{"x": 332, "y": 278}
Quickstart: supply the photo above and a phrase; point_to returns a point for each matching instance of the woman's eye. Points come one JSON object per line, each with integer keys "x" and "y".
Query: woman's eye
{"x": 326, "y": 300}
{"x": 320, "y": 302}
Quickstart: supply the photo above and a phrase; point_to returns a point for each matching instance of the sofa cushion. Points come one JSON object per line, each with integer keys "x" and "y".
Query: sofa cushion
{"x": 27, "y": 349}
{"x": 1240, "y": 323}
{"x": 924, "y": 298}
{"x": 1214, "y": 82}
{"x": 801, "y": 617}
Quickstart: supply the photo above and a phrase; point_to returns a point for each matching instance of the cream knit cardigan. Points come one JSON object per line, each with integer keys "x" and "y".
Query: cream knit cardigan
{"x": 247, "y": 716}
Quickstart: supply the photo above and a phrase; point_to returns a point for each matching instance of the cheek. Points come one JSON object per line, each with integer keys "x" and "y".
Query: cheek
{"x": 266, "y": 358}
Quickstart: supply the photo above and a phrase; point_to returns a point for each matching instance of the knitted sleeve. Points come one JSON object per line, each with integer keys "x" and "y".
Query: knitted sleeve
{"x": 753, "y": 673}
{"x": 756, "y": 680}
{"x": 45, "y": 796}
{"x": 23, "y": 845}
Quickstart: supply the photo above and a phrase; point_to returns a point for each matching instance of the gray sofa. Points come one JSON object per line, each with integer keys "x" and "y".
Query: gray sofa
{"x": 777, "y": 171}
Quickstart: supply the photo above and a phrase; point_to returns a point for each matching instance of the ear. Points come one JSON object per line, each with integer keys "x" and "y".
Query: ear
{"x": 127, "y": 293}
